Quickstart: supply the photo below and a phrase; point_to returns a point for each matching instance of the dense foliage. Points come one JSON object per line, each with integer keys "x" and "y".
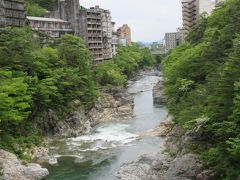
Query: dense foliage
{"x": 127, "y": 61}
{"x": 34, "y": 79}
{"x": 202, "y": 83}
{"x": 132, "y": 58}
{"x": 34, "y": 9}
{"x": 47, "y": 4}
{"x": 39, "y": 7}
{"x": 109, "y": 74}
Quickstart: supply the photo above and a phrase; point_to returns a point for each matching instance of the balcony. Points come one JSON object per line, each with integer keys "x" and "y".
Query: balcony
{"x": 94, "y": 23}
{"x": 95, "y": 35}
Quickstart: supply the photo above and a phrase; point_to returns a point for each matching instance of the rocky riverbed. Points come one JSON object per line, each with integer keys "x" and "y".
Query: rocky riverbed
{"x": 173, "y": 160}
{"x": 99, "y": 154}
{"x": 111, "y": 105}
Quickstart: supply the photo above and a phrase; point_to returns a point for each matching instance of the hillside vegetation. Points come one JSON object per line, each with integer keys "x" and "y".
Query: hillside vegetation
{"x": 128, "y": 61}
{"x": 39, "y": 7}
{"x": 202, "y": 84}
{"x": 36, "y": 78}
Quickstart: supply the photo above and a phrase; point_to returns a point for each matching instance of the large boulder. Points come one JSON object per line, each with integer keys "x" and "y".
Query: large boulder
{"x": 125, "y": 110}
{"x": 184, "y": 167}
{"x": 41, "y": 155}
{"x": 158, "y": 95}
{"x": 150, "y": 166}
{"x": 14, "y": 169}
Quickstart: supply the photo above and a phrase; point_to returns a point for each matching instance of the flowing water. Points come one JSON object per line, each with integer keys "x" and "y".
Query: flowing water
{"x": 99, "y": 155}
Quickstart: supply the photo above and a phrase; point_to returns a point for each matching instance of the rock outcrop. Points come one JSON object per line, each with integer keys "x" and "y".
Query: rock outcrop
{"x": 41, "y": 155}
{"x": 184, "y": 167}
{"x": 162, "y": 130}
{"x": 173, "y": 162}
{"x": 112, "y": 105}
{"x": 158, "y": 96}
{"x": 149, "y": 166}
{"x": 74, "y": 123}
{"x": 13, "y": 169}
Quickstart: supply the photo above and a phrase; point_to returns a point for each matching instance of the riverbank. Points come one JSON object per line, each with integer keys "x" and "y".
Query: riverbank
{"x": 174, "y": 160}
{"x": 100, "y": 153}
{"x": 111, "y": 107}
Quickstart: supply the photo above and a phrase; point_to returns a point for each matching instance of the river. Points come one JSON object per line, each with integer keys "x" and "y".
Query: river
{"x": 100, "y": 154}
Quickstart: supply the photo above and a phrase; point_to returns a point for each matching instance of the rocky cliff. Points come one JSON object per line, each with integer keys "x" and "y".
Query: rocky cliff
{"x": 175, "y": 161}
{"x": 110, "y": 105}
{"x": 114, "y": 104}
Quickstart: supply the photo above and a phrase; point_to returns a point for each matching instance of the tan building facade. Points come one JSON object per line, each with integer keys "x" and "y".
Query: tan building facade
{"x": 124, "y": 34}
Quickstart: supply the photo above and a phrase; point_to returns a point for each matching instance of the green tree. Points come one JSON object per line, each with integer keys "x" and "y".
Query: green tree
{"x": 15, "y": 97}
{"x": 109, "y": 74}
{"x": 34, "y": 9}
{"x": 202, "y": 83}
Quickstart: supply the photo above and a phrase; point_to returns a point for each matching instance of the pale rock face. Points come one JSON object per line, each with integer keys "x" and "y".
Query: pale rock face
{"x": 158, "y": 96}
{"x": 185, "y": 167}
{"x": 125, "y": 110}
{"x": 14, "y": 169}
{"x": 149, "y": 166}
{"x": 110, "y": 107}
{"x": 40, "y": 155}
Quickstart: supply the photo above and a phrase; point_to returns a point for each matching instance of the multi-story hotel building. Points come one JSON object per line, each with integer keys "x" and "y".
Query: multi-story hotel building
{"x": 191, "y": 9}
{"x": 91, "y": 32}
{"x": 172, "y": 40}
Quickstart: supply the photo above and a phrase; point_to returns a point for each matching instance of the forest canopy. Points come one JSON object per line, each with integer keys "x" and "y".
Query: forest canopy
{"x": 202, "y": 83}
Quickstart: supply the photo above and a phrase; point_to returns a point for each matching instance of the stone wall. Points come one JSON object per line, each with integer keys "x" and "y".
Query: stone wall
{"x": 12, "y": 13}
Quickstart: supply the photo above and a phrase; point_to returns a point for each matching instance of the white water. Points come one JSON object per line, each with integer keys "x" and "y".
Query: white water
{"x": 107, "y": 136}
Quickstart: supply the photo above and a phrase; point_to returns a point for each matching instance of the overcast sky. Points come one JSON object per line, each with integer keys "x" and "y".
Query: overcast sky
{"x": 148, "y": 19}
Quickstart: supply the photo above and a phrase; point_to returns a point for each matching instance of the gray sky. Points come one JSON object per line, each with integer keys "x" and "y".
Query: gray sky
{"x": 148, "y": 19}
